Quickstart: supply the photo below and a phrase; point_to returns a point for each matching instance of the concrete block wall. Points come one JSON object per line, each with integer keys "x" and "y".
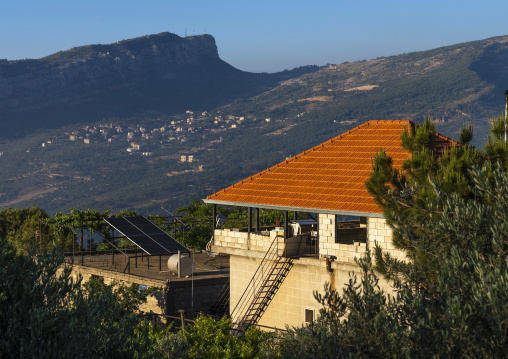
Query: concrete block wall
{"x": 326, "y": 228}
{"x": 376, "y": 228}
{"x": 195, "y": 298}
{"x": 379, "y": 231}
{"x": 170, "y": 297}
{"x": 296, "y": 292}
{"x": 243, "y": 240}
{"x": 229, "y": 238}
{"x": 155, "y": 303}
{"x": 310, "y": 274}
{"x": 345, "y": 253}
{"x": 262, "y": 243}
{"x": 241, "y": 271}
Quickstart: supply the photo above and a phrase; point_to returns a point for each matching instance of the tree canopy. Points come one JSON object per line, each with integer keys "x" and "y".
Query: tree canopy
{"x": 46, "y": 312}
{"x": 408, "y": 197}
{"x": 450, "y": 297}
{"x": 447, "y": 210}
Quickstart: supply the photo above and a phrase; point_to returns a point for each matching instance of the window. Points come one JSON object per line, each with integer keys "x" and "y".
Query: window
{"x": 350, "y": 229}
{"x": 309, "y": 315}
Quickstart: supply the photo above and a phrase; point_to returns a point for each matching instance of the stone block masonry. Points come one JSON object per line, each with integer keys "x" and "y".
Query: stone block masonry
{"x": 308, "y": 275}
{"x": 378, "y": 231}
{"x": 345, "y": 244}
{"x": 154, "y": 304}
{"x": 296, "y": 292}
{"x": 169, "y": 297}
{"x": 328, "y": 246}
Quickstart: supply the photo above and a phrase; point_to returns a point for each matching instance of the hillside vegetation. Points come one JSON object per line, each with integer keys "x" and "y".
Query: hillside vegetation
{"x": 241, "y": 123}
{"x": 448, "y": 300}
{"x": 154, "y": 74}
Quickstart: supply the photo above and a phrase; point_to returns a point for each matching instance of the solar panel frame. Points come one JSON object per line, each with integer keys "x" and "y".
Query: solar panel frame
{"x": 146, "y": 235}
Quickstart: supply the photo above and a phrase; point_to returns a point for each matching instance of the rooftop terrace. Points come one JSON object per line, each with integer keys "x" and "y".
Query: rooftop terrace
{"x": 152, "y": 267}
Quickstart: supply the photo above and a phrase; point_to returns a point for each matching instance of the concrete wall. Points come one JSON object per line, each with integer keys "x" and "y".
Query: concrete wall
{"x": 378, "y": 231}
{"x": 308, "y": 274}
{"x": 169, "y": 297}
{"x": 154, "y": 304}
{"x": 296, "y": 292}
{"x": 376, "y": 228}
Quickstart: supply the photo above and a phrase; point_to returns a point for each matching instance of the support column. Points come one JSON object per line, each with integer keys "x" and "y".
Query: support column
{"x": 286, "y": 225}
{"x": 249, "y": 219}
{"x": 256, "y": 219}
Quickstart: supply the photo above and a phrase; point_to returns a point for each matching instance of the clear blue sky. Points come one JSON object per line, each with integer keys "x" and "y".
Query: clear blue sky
{"x": 256, "y": 35}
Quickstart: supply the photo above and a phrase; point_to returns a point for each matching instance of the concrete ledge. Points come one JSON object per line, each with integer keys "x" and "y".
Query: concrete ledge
{"x": 314, "y": 262}
{"x": 76, "y": 268}
{"x": 238, "y": 251}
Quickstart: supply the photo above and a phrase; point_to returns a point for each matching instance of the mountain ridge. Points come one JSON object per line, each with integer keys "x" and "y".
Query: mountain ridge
{"x": 451, "y": 84}
{"x": 162, "y": 72}
{"x": 239, "y": 125}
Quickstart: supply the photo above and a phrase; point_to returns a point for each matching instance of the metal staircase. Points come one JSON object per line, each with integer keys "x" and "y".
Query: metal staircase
{"x": 261, "y": 289}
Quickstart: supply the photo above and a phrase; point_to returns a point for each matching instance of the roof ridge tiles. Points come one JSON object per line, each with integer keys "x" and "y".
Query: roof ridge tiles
{"x": 447, "y": 138}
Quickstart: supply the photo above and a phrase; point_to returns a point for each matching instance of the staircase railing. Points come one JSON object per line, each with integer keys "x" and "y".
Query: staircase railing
{"x": 262, "y": 287}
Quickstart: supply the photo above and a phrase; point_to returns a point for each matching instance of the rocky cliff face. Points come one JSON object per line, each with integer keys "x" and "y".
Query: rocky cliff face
{"x": 83, "y": 74}
{"x": 161, "y": 72}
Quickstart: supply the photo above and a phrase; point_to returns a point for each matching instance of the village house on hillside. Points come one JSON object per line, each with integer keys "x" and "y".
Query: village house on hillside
{"x": 274, "y": 271}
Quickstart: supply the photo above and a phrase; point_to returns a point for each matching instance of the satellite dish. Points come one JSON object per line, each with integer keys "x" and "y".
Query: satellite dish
{"x": 220, "y": 220}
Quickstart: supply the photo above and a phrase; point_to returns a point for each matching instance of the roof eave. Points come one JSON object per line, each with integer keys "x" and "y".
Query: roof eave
{"x": 296, "y": 209}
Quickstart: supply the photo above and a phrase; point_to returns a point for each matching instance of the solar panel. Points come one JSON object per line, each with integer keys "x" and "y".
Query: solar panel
{"x": 146, "y": 235}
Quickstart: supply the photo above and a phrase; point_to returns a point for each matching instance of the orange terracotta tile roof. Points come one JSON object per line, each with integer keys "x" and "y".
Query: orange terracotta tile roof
{"x": 329, "y": 177}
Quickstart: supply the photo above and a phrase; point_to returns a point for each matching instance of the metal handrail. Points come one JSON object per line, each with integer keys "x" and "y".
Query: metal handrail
{"x": 263, "y": 297}
{"x": 262, "y": 287}
{"x": 251, "y": 286}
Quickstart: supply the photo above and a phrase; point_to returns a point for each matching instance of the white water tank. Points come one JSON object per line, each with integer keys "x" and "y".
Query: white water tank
{"x": 187, "y": 265}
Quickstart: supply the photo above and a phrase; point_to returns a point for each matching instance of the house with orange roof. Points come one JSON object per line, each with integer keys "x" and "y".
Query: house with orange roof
{"x": 274, "y": 271}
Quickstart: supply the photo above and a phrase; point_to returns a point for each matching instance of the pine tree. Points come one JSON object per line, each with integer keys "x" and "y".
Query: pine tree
{"x": 459, "y": 311}
{"x": 408, "y": 199}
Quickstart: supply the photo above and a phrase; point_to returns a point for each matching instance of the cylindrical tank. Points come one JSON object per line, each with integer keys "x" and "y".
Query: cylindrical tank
{"x": 187, "y": 265}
